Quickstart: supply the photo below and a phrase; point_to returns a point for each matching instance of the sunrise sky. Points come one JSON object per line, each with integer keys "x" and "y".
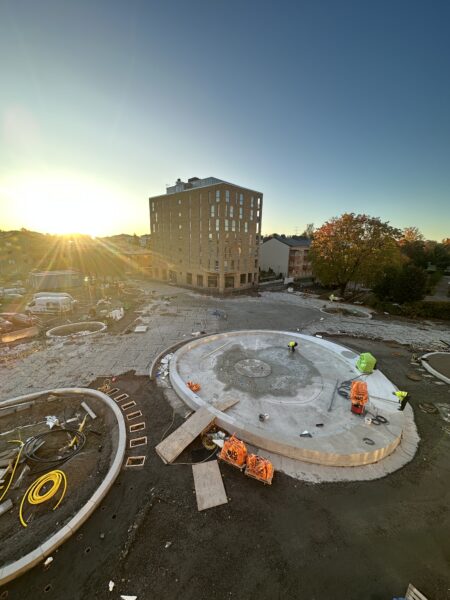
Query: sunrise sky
{"x": 324, "y": 106}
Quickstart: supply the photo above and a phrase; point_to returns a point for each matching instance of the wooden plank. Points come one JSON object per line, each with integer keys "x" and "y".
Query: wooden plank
{"x": 209, "y": 488}
{"x": 413, "y": 593}
{"x": 223, "y": 405}
{"x": 177, "y": 441}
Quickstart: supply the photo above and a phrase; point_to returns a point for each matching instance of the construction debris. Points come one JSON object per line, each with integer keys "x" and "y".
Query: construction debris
{"x": 5, "y": 506}
{"x": 194, "y": 387}
{"x": 89, "y": 410}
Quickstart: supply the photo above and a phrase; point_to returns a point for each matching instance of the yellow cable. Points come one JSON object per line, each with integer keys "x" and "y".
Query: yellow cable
{"x": 33, "y": 494}
{"x": 15, "y": 465}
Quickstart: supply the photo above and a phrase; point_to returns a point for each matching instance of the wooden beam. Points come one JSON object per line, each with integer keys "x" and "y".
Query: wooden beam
{"x": 173, "y": 445}
{"x": 209, "y": 488}
{"x": 180, "y": 439}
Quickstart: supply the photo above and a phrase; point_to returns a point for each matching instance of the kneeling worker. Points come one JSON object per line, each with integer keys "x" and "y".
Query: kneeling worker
{"x": 402, "y": 397}
{"x": 292, "y": 346}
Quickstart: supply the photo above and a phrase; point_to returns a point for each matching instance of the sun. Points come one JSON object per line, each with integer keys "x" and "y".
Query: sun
{"x": 63, "y": 203}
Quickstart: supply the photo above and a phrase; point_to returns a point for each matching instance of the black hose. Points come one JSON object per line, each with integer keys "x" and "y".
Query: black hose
{"x": 30, "y": 450}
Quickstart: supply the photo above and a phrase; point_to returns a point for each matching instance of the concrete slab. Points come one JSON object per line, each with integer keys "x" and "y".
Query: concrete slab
{"x": 295, "y": 390}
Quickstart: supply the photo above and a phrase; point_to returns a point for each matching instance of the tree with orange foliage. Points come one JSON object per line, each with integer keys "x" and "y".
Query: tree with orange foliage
{"x": 354, "y": 248}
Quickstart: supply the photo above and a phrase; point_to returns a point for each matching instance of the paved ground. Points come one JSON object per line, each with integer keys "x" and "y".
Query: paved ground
{"x": 441, "y": 291}
{"x": 293, "y": 540}
{"x": 78, "y": 362}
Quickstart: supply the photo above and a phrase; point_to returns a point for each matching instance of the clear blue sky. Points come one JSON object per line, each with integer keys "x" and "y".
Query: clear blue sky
{"x": 324, "y": 106}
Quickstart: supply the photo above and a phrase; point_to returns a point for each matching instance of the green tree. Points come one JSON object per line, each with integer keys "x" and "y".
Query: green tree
{"x": 407, "y": 283}
{"x": 355, "y": 248}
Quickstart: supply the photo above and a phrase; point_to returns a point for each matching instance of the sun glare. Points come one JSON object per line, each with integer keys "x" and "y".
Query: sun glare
{"x": 63, "y": 203}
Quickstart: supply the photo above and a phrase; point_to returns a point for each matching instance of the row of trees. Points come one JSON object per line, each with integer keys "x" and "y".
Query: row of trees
{"x": 368, "y": 251}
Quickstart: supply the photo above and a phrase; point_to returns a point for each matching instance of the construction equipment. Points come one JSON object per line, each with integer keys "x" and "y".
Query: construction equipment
{"x": 366, "y": 362}
{"x": 358, "y": 397}
{"x": 194, "y": 387}
{"x": 259, "y": 468}
{"x": 234, "y": 452}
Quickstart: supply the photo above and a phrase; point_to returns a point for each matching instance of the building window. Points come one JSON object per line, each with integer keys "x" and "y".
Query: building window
{"x": 241, "y": 212}
{"x": 251, "y": 215}
{"x": 227, "y": 196}
{"x": 241, "y": 199}
{"x": 200, "y": 280}
{"x": 229, "y": 281}
{"x": 252, "y": 200}
{"x": 217, "y": 224}
{"x": 243, "y": 279}
{"x": 179, "y": 226}
{"x": 189, "y": 278}
{"x": 156, "y": 217}
{"x": 256, "y": 264}
{"x": 226, "y": 225}
{"x": 216, "y": 265}
{"x": 213, "y": 210}
{"x": 245, "y": 227}
{"x": 212, "y": 281}
{"x": 153, "y": 206}
{"x": 233, "y": 225}
{"x": 217, "y": 195}
{"x": 179, "y": 201}
{"x": 249, "y": 277}
{"x": 153, "y": 228}
{"x": 259, "y": 201}
{"x": 231, "y": 211}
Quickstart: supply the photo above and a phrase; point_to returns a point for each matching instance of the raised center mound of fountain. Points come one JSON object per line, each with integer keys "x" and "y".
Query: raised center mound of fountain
{"x": 76, "y": 329}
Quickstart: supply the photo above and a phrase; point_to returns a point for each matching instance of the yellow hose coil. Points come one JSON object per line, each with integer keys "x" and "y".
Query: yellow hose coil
{"x": 34, "y": 496}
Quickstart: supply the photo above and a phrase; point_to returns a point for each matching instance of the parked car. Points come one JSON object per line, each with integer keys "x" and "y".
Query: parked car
{"x": 19, "y": 319}
{"x": 11, "y": 296}
{"x": 49, "y": 305}
{"x": 5, "y": 325}
{"x": 55, "y": 295}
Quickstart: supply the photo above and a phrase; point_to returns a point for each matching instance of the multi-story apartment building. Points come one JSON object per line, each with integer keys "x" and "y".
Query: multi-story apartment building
{"x": 205, "y": 233}
{"x": 287, "y": 256}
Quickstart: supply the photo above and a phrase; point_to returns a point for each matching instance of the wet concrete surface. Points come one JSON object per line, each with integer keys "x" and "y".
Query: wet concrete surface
{"x": 292, "y": 540}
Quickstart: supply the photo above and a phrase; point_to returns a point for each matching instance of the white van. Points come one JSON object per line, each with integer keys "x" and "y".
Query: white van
{"x": 50, "y": 305}
{"x": 53, "y": 295}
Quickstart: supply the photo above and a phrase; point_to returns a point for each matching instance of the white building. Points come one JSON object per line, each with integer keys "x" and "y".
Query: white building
{"x": 286, "y": 256}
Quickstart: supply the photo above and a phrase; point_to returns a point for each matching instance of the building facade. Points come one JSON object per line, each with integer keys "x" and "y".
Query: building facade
{"x": 205, "y": 233}
{"x": 287, "y": 256}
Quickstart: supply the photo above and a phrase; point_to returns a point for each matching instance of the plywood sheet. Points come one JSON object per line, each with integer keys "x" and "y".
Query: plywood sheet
{"x": 209, "y": 488}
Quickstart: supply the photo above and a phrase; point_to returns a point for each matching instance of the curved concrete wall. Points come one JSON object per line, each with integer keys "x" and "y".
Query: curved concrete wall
{"x": 16, "y": 568}
{"x": 60, "y": 331}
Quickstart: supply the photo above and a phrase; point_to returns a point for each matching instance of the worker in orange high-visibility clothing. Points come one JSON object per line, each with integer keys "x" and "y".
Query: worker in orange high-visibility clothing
{"x": 402, "y": 397}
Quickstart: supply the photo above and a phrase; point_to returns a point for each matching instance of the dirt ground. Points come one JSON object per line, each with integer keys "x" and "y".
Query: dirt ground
{"x": 340, "y": 541}
{"x": 84, "y": 471}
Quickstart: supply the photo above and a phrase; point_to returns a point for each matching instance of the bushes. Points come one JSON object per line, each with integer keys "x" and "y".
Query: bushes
{"x": 402, "y": 284}
{"x": 421, "y": 310}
